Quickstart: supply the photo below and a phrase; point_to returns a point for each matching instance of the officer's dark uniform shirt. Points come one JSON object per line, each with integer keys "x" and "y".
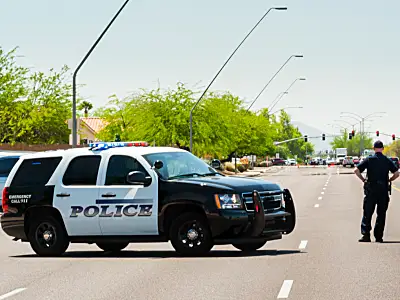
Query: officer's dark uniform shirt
{"x": 378, "y": 167}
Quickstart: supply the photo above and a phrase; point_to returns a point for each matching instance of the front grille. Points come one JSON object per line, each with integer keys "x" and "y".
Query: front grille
{"x": 272, "y": 200}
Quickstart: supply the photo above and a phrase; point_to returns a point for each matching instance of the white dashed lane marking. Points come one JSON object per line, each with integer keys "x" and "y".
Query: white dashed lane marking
{"x": 316, "y": 205}
{"x": 319, "y": 198}
{"x": 12, "y": 293}
{"x": 322, "y": 193}
{"x": 285, "y": 289}
{"x": 303, "y": 244}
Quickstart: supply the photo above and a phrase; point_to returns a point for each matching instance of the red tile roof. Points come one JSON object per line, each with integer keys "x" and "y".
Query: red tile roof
{"x": 94, "y": 123}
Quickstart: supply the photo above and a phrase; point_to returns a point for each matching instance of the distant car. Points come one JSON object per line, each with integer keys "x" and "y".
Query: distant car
{"x": 348, "y": 161}
{"x": 396, "y": 161}
{"x": 6, "y": 165}
{"x": 356, "y": 160}
{"x": 278, "y": 162}
{"x": 330, "y": 161}
{"x": 291, "y": 162}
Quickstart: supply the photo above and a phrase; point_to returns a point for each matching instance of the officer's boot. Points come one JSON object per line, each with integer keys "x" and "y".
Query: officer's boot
{"x": 365, "y": 239}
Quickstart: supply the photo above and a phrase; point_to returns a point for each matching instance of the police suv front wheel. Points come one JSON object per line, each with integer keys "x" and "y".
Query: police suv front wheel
{"x": 47, "y": 237}
{"x": 190, "y": 235}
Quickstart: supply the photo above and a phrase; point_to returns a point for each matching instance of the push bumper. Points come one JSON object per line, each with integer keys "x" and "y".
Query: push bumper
{"x": 232, "y": 225}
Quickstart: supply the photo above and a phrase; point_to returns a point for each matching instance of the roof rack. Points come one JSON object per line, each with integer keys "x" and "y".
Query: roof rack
{"x": 108, "y": 145}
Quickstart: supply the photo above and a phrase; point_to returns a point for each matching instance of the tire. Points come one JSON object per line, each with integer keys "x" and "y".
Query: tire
{"x": 48, "y": 237}
{"x": 112, "y": 247}
{"x": 249, "y": 247}
{"x": 201, "y": 241}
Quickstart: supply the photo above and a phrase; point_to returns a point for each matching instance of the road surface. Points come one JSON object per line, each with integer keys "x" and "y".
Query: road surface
{"x": 320, "y": 260}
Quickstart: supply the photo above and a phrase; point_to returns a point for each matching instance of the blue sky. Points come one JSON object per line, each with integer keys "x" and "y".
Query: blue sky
{"x": 350, "y": 50}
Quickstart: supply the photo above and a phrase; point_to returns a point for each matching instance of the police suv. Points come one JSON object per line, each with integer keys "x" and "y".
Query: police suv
{"x": 113, "y": 194}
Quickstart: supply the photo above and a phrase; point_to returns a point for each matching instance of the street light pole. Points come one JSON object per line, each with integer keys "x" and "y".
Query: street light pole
{"x": 352, "y": 125}
{"x": 275, "y": 102}
{"x": 74, "y": 121}
{"x": 280, "y": 95}
{"x": 296, "y": 56}
{"x": 220, "y": 70}
{"x": 362, "y": 123}
{"x": 285, "y": 108}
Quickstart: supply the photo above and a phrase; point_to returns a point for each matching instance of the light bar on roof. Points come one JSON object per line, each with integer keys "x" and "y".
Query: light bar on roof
{"x": 108, "y": 145}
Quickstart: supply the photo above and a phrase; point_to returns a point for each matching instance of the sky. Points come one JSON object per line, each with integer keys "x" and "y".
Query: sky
{"x": 350, "y": 51}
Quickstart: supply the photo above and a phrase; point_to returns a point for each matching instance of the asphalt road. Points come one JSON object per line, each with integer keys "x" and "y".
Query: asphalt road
{"x": 321, "y": 259}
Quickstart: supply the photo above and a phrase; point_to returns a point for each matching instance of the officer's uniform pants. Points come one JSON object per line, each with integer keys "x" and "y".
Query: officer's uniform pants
{"x": 378, "y": 197}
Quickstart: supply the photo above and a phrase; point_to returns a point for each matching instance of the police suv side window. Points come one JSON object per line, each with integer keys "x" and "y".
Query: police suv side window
{"x": 82, "y": 170}
{"x": 119, "y": 166}
{"x": 35, "y": 172}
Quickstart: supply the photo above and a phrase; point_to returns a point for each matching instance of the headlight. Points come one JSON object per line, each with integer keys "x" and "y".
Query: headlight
{"x": 228, "y": 201}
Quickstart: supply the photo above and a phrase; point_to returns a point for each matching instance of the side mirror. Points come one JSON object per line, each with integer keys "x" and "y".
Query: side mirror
{"x": 158, "y": 164}
{"x": 138, "y": 178}
{"x": 216, "y": 164}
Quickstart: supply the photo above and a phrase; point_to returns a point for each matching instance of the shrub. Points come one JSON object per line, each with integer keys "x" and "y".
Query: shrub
{"x": 228, "y": 166}
{"x": 241, "y": 168}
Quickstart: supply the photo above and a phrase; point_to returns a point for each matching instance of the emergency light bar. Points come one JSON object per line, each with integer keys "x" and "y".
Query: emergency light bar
{"x": 108, "y": 145}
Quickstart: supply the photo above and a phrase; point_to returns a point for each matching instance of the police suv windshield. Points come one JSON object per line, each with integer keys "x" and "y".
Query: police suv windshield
{"x": 180, "y": 165}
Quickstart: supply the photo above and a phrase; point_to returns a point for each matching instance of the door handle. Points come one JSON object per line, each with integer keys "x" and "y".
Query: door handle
{"x": 108, "y": 195}
{"x": 63, "y": 195}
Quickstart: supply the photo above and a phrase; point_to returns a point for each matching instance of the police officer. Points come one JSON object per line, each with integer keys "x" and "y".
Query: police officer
{"x": 376, "y": 190}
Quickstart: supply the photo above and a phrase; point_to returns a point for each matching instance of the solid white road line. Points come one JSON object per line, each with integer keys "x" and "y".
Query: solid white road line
{"x": 316, "y": 205}
{"x": 12, "y": 293}
{"x": 285, "y": 289}
{"x": 319, "y": 198}
{"x": 303, "y": 244}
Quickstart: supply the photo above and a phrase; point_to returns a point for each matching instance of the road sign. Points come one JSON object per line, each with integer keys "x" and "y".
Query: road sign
{"x": 277, "y": 155}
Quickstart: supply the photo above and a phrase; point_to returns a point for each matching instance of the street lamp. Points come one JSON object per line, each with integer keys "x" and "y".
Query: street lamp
{"x": 74, "y": 121}
{"x": 296, "y": 56}
{"x": 337, "y": 125}
{"x": 280, "y": 95}
{"x": 285, "y": 108}
{"x": 275, "y": 102}
{"x": 352, "y": 125}
{"x": 362, "y": 121}
{"x": 220, "y": 70}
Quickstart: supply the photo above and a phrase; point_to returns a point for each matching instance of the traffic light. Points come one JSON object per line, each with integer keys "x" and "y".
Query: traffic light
{"x": 117, "y": 138}
{"x": 377, "y": 133}
{"x": 305, "y": 138}
{"x": 350, "y": 135}
{"x": 393, "y": 137}
{"x": 323, "y": 136}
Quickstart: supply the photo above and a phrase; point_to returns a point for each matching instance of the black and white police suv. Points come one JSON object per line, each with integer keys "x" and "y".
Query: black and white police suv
{"x": 113, "y": 194}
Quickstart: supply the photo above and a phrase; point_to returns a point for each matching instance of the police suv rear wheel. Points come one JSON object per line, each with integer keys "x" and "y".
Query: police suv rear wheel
{"x": 250, "y": 246}
{"x": 190, "y": 234}
{"x": 48, "y": 237}
{"x": 112, "y": 247}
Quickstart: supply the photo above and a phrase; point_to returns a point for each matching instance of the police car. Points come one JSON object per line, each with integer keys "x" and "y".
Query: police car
{"x": 113, "y": 194}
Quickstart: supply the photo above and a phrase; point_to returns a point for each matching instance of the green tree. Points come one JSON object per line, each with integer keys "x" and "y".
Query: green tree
{"x": 221, "y": 124}
{"x": 354, "y": 145}
{"x": 287, "y": 131}
{"x": 85, "y": 106}
{"x": 35, "y": 106}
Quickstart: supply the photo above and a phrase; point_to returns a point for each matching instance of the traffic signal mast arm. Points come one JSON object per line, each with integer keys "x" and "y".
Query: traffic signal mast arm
{"x": 332, "y": 135}
{"x": 304, "y": 137}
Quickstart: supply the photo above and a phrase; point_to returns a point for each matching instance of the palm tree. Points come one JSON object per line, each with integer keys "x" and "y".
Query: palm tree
{"x": 85, "y": 106}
